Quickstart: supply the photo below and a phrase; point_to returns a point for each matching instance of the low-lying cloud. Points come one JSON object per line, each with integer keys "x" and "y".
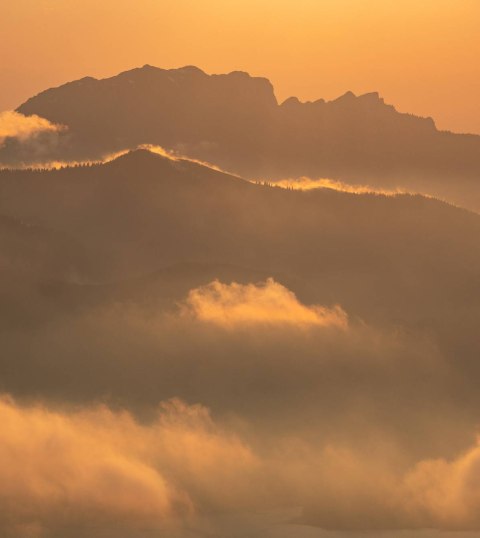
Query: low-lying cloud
{"x": 103, "y": 472}
{"x": 306, "y": 184}
{"x": 335, "y": 423}
{"x": 28, "y": 141}
{"x": 16, "y": 125}
{"x": 446, "y": 493}
{"x": 267, "y": 303}
{"x": 95, "y": 468}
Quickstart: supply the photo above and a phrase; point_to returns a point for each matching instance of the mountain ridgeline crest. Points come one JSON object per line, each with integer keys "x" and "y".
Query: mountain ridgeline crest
{"x": 235, "y": 122}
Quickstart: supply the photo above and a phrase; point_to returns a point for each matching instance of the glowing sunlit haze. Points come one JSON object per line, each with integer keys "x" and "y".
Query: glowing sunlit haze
{"x": 227, "y": 312}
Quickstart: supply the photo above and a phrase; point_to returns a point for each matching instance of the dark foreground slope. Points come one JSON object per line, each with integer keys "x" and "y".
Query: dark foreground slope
{"x": 235, "y": 122}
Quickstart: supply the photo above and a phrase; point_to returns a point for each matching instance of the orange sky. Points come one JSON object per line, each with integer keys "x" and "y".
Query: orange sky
{"x": 421, "y": 55}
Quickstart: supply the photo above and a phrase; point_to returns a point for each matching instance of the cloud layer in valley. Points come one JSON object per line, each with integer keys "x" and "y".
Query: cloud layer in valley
{"x": 103, "y": 472}
{"x": 96, "y": 468}
{"x": 325, "y": 433}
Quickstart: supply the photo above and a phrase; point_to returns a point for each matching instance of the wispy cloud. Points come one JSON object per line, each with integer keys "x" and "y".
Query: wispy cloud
{"x": 102, "y": 472}
{"x": 267, "y": 303}
{"x": 178, "y": 156}
{"x": 96, "y": 468}
{"x": 306, "y": 184}
{"x": 16, "y": 125}
{"x": 446, "y": 493}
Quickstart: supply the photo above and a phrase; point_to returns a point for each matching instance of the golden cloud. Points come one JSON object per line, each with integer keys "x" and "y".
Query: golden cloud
{"x": 306, "y": 184}
{"x": 96, "y": 467}
{"x": 267, "y": 303}
{"x": 16, "y": 125}
{"x": 447, "y": 493}
{"x": 103, "y": 470}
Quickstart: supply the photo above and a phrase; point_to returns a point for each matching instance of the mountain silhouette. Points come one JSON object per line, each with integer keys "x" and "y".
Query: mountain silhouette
{"x": 235, "y": 122}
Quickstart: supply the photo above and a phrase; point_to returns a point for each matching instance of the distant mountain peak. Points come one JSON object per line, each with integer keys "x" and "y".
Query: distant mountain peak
{"x": 372, "y": 97}
{"x": 234, "y": 121}
{"x": 240, "y": 74}
{"x": 348, "y": 96}
{"x": 292, "y": 101}
{"x": 190, "y": 69}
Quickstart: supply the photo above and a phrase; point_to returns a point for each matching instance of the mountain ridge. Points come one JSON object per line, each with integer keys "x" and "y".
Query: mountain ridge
{"x": 372, "y": 97}
{"x": 235, "y": 122}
